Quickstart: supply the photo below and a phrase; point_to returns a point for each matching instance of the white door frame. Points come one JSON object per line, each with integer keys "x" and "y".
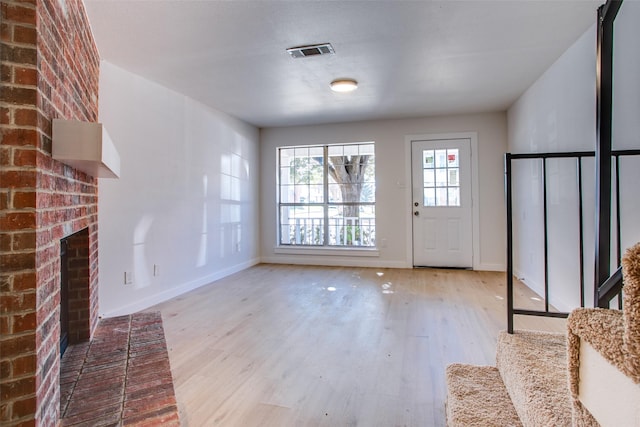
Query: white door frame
{"x": 475, "y": 211}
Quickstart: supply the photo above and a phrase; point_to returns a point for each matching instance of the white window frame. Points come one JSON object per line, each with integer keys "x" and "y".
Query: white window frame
{"x": 326, "y": 246}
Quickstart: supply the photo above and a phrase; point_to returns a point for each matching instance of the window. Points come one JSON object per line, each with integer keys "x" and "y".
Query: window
{"x": 441, "y": 172}
{"x": 326, "y": 195}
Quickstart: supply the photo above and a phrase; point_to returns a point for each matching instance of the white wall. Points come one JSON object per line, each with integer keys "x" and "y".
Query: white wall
{"x": 393, "y": 182}
{"x": 558, "y": 113}
{"x": 186, "y": 200}
{"x": 626, "y": 75}
{"x": 626, "y": 116}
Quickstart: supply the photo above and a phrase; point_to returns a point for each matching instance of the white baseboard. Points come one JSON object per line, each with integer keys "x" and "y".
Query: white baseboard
{"x": 490, "y": 267}
{"x": 335, "y": 261}
{"x": 561, "y": 305}
{"x": 342, "y": 261}
{"x": 531, "y": 284}
{"x": 538, "y": 288}
{"x": 152, "y": 300}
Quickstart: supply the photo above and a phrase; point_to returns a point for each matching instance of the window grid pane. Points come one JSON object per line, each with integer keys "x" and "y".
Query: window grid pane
{"x": 441, "y": 177}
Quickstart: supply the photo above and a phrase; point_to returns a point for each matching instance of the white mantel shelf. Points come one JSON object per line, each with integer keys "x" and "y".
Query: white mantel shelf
{"x": 86, "y": 146}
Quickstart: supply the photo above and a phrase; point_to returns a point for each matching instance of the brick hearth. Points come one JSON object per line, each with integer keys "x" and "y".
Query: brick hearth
{"x": 122, "y": 377}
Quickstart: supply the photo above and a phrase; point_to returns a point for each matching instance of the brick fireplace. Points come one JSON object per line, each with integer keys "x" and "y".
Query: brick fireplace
{"x": 49, "y": 68}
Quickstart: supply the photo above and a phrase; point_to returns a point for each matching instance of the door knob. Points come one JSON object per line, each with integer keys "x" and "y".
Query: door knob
{"x": 416, "y": 204}
{"x": 416, "y": 213}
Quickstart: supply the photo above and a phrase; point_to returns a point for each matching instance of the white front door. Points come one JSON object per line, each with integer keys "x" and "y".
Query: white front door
{"x": 442, "y": 211}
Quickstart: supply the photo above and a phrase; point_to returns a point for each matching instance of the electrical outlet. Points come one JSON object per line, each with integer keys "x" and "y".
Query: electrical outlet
{"x": 128, "y": 277}
{"x": 156, "y": 270}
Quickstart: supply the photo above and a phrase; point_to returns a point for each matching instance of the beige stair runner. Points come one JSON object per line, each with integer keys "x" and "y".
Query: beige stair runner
{"x": 527, "y": 388}
{"x": 476, "y": 397}
{"x": 590, "y": 378}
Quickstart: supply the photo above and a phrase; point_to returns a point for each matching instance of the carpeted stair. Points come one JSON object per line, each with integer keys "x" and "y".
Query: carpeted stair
{"x": 477, "y": 397}
{"x": 533, "y": 367}
{"x": 589, "y": 378}
{"x": 527, "y": 388}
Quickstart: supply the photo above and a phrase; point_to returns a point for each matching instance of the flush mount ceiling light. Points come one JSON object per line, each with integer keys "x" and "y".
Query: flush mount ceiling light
{"x": 344, "y": 85}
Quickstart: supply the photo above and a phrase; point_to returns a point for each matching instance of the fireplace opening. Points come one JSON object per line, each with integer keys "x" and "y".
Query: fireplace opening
{"x": 74, "y": 289}
{"x": 64, "y": 296}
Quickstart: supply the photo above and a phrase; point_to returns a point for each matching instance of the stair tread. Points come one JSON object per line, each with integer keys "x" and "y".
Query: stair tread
{"x": 476, "y": 396}
{"x": 533, "y": 367}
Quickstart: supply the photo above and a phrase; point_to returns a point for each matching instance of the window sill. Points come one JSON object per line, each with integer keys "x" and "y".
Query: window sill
{"x": 315, "y": 250}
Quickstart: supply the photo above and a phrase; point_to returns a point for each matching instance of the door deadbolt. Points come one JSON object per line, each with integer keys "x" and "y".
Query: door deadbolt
{"x": 416, "y": 204}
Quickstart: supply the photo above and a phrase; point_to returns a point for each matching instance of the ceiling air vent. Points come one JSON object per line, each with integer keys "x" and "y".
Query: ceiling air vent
{"x": 311, "y": 50}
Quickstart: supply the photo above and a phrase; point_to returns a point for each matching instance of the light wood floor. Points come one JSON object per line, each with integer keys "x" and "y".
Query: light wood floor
{"x": 279, "y": 345}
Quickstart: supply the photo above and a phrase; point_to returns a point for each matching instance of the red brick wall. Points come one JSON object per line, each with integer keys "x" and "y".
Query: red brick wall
{"x": 49, "y": 67}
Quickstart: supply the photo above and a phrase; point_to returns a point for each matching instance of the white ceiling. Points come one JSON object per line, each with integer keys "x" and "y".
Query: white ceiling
{"x": 411, "y": 58}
